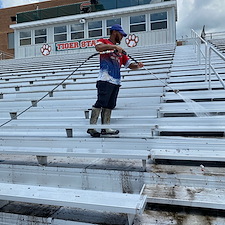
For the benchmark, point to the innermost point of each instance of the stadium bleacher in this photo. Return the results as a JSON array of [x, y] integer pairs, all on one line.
[[164, 154]]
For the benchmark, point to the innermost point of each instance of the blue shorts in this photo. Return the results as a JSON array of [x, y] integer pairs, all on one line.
[[107, 95]]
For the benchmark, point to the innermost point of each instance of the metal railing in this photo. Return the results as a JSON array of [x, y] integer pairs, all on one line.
[[215, 35], [200, 43], [212, 68], [4, 55]]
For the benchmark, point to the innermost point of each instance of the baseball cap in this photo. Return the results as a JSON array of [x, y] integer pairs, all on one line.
[[117, 27]]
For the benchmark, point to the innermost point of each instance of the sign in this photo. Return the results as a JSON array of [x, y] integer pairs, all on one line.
[[132, 40], [62, 46]]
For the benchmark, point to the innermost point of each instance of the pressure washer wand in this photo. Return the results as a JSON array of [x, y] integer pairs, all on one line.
[[150, 72]]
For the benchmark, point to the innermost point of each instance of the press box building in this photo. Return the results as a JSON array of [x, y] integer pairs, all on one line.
[[76, 27]]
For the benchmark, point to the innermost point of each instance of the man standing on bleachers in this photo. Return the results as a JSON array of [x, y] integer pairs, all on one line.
[[109, 79]]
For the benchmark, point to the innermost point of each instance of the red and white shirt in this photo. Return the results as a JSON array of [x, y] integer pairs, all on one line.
[[110, 64]]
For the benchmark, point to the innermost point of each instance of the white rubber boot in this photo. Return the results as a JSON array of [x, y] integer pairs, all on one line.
[[106, 117], [93, 120]]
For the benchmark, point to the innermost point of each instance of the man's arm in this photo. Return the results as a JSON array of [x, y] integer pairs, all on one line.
[[135, 66], [105, 47]]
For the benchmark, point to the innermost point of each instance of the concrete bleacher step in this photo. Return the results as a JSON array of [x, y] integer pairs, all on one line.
[[59, 129], [188, 78], [80, 102], [187, 154], [48, 86], [165, 215], [210, 108], [80, 112], [70, 93], [142, 125], [157, 142], [200, 95], [211, 198], [177, 66], [195, 86], [42, 153], [76, 181], [74, 79], [191, 124], [129, 204]]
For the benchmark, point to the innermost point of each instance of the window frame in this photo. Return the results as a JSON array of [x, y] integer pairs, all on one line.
[[109, 26], [41, 36], [77, 32], [159, 21], [95, 29], [135, 24], [60, 33], [23, 39]]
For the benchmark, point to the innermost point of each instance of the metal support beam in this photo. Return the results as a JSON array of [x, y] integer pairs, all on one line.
[[42, 160], [130, 219], [3, 203], [144, 164], [69, 132], [13, 115]]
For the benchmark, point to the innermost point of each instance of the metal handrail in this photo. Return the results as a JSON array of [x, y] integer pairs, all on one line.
[[210, 36], [211, 67], [198, 41]]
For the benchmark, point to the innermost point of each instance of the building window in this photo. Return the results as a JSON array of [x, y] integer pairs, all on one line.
[[137, 23], [13, 18], [77, 31], [40, 36], [95, 29], [60, 33], [10, 40], [25, 38], [109, 23], [158, 21]]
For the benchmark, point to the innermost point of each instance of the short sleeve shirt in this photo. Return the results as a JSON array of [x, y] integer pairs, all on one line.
[[110, 64]]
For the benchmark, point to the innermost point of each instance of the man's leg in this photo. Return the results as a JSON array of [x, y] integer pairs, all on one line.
[[106, 112], [93, 120], [103, 96], [106, 117]]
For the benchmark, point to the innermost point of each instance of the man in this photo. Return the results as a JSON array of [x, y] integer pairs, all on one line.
[[109, 78]]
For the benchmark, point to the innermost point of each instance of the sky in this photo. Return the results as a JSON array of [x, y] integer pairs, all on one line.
[[10, 3], [192, 14]]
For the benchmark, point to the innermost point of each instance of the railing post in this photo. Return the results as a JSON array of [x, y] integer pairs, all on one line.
[[195, 42], [206, 62], [210, 71], [199, 51]]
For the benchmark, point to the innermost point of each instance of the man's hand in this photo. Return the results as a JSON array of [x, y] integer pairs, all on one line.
[[119, 49], [135, 66], [140, 65]]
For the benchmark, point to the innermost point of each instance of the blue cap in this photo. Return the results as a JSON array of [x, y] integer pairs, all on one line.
[[117, 27]]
